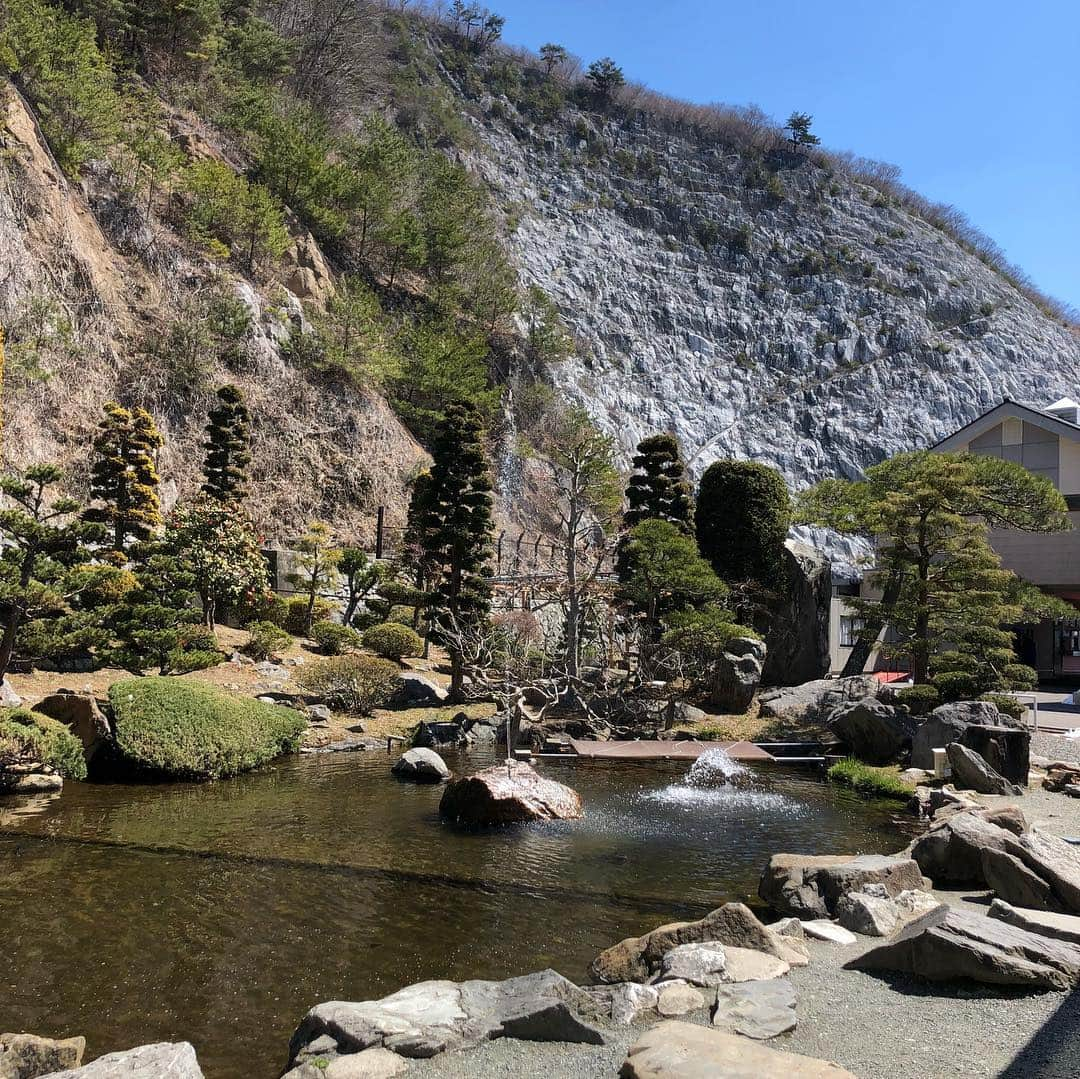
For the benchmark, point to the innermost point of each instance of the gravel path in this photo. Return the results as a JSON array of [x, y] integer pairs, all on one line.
[[877, 1027], [1055, 747]]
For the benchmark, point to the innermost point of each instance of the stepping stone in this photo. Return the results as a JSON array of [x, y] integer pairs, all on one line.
[[675, 1050], [756, 1009], [821, 929], [678, 998], [744, 965]]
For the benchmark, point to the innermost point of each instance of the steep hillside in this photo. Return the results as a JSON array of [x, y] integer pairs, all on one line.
[[760, 305]]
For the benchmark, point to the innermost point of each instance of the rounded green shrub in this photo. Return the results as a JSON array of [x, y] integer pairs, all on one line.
[[1019, 676], [919, 700], [27, 737], [957, 686], [334, 639], [187, 730], [392, 640], [296, 618], [352, 683], [267, 607], [265, 639], [1006, 705]]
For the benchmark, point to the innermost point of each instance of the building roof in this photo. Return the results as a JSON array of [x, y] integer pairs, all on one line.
[[1009, 409]]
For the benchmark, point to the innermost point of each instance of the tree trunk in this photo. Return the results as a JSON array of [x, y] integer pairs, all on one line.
[[7, 642]]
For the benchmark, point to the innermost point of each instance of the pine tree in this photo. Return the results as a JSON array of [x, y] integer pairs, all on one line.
[[123, 477], [455, 536], [227, 446]]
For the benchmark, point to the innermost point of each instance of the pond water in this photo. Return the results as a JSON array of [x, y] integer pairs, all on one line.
[[219, 913]]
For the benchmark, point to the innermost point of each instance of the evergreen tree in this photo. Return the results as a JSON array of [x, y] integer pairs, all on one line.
[[606, 77], [455, 536], [123, 477], [227, 446], [318, 560], [798, 125]]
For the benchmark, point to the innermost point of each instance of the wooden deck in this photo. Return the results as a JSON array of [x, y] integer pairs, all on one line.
[[687, 750]]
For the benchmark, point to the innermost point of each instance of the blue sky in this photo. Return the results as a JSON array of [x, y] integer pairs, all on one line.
[[977, 102]]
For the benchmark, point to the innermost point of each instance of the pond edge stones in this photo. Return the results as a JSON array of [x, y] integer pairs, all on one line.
[[420, 765]]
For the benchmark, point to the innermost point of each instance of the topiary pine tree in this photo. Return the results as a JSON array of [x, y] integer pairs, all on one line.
[[123, 477], [455, 536], [228, 447]]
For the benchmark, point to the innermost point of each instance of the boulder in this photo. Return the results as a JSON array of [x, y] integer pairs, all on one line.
[[872, 912], [698, 964], [26, 1056], [757, 1010], [678, 998], [1054, 861], [417, 688], [432, 1017], [635, 959], [1007, 750], [813, 702], [797, 639], [511, 793], [748, 965], [162, 1060], [1010, 879], [950, 852], [1064, 927], [950, 945], [947, 723], [374, 1063], [823, 929], [875, 732], [629, 1000], [971, 772], [738, 675], [677, 1050], [809, 886], [82, 715], [8, 697], [421, 766]]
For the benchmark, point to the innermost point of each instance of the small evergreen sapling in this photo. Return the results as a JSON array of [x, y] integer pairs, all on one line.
[[228, 447]]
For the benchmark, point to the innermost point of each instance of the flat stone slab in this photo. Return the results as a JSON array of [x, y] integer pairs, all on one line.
[[1064, 927], [433, 1017], [822, 929], [678, 998], [757, 1010], [162, 1060], [699, 964], [746, 965], [676, 1050], [953, 945]]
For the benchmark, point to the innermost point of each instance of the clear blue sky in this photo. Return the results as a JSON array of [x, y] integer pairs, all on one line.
[[977, 102]]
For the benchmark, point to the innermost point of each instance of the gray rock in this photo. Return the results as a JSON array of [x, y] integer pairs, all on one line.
[[26, 1056], [493, 797], [950, 945], [162, 1060], [8, 697], [421, 766], [1052, 860], [748, 965], [809, 886], [629, 1000], [678, 1050], [678, 998], [699, 964], [636, 958], [875, 732], [758, 1010], [788, 927], [1064, 927], [738, 674], [432, 1017], [82, 715], [1007, 750], [797, 639], [319, 712], [971, 772], [813, 702], [871, 912], [418, 689], [823, 929], [947, 723], [951, 851], [1010, 879], [33, 783]]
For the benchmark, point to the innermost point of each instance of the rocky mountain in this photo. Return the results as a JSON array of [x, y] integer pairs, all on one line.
[[759, 303]]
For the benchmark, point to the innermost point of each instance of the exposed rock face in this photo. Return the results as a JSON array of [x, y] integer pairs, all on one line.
[[676, 1050], [26, 1056], [798, 638], [707, 307], [433, 1017], [82, 714], [971, 772], [813, 702], [809, 886], [492, 797], [636, 958], [421, 766], [738, 674], [950, 944], [876, 732], [162, 1060]]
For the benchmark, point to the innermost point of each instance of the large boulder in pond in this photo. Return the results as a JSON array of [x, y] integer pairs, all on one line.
[[421, 766], [82, 715], [876, 732], [510, 793], [738, 674], [798, 635], [812, 703]]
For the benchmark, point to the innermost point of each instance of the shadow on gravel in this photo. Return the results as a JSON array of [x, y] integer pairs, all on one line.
[[1054, 1051], [911, 986]]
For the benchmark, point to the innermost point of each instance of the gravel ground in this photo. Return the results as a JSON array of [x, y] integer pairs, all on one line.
[[1056, 747], [876, 1027]]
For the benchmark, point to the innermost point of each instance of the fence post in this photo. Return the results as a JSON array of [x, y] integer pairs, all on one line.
[[379, 515]]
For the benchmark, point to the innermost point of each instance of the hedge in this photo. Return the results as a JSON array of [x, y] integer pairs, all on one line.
[[26, 736]]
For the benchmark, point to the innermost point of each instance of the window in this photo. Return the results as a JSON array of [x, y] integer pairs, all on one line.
[[846, 588], [850, 628]]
